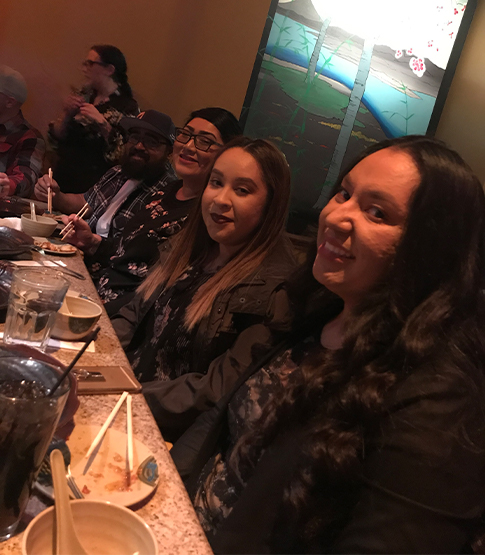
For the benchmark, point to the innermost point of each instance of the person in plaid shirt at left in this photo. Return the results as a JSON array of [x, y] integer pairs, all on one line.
[[22, 147]]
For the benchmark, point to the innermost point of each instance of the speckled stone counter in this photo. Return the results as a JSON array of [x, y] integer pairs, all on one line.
[[169, 511]]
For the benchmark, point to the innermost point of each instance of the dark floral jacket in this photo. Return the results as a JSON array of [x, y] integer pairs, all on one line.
[[121, 264]]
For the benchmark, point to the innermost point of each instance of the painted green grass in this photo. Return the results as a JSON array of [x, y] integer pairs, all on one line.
[[322, 99]]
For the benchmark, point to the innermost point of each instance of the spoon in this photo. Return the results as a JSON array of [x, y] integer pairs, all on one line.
[[67, 541]]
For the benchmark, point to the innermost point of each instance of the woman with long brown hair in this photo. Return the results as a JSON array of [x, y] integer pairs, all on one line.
[[221, 274], [365, 431]]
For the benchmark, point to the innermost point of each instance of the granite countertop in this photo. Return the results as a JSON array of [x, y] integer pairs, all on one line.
[[169, 512]]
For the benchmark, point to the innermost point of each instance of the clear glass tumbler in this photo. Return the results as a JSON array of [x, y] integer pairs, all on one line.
[[35, 297], [28, 419]]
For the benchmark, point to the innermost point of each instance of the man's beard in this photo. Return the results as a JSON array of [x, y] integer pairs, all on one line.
[[141, 168]]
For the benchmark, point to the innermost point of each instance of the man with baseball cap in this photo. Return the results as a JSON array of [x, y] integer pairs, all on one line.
[[118, 255], [22, 147], [123, 190]]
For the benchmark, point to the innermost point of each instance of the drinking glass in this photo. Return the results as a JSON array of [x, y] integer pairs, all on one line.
[[28, 419], [35, 297]]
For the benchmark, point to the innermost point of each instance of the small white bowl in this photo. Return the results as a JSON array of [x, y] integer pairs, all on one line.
[[42, 227], [102, 528], [76, 318]]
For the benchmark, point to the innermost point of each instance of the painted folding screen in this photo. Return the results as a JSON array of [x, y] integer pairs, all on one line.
[[334, 76]]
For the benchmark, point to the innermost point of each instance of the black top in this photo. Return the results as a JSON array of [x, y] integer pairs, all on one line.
[[165, 347], [224, 477], [423, 483], [84, 154]]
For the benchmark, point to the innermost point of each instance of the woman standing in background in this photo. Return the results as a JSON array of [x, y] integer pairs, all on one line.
[[87, 137]]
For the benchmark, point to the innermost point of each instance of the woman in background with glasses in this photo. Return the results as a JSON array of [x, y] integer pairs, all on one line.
[[118, 266], [87, 137]]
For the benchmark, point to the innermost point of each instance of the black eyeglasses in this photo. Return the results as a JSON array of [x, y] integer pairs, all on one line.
[[91, 63], [201, 142], [148, 141]]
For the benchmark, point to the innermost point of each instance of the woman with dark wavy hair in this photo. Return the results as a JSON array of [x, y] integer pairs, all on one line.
[[365, 432]]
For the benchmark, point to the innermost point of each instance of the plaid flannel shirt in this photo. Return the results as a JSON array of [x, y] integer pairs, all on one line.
[[99, 197], [22, 151]]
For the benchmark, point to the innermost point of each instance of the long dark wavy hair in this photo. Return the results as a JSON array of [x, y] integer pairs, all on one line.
[[429, 305], [111, 55]]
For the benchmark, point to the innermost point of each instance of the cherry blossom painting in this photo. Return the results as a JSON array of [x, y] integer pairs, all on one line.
[[333, 77]]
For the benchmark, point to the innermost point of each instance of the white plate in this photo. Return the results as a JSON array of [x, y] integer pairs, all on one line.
[[56, 242], [106, 477]]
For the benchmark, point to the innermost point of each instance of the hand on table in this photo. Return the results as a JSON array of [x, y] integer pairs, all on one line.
[[4, 185], [81, 235], [42, 186]]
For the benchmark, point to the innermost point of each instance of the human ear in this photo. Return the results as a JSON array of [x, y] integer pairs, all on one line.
[[11, 102], [110, 70]]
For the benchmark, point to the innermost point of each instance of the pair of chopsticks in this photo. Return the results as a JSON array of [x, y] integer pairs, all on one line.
[[49, 193], [69, 227], [129, 432]]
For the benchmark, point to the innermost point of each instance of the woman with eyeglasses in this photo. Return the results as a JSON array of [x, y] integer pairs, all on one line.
[[223, 273], [118, 266], [87, 137]]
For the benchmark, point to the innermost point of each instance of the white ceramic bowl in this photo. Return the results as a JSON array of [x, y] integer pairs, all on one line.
[[103, 528], [43, 227], [76, 318]]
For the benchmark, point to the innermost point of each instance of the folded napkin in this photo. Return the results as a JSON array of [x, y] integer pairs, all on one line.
[[13, 223], [71, 345]]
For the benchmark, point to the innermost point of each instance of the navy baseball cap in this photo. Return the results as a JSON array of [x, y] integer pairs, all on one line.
[[154, 121]]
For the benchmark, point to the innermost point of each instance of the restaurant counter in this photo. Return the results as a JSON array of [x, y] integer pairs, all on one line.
[[169, 511]]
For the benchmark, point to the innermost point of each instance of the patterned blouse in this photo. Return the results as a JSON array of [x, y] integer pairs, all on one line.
[[121, 264], [164, 346], [224, 476], [84, 154]]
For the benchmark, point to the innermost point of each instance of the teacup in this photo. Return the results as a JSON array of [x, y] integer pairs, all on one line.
[[76, 318]]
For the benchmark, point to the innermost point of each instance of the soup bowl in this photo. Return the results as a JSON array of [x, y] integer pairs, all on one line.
[[101, 526], [42, 227]]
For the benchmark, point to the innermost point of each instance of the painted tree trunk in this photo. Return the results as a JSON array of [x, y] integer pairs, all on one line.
[[316, 51], [348, 123]]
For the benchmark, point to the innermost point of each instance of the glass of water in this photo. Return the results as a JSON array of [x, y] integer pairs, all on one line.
[[35, 297]]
